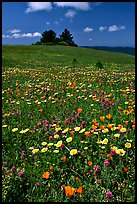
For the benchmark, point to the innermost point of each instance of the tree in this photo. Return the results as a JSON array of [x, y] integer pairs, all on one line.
[[48, 37], [67, 37]]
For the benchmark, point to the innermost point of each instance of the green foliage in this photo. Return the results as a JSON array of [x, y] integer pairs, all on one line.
[[63, 43], [48, 37], [99, 65]]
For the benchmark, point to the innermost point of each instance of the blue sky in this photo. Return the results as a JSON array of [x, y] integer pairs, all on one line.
[[91, 23]]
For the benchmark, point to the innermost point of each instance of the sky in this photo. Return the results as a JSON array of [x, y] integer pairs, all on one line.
[[90, 23]]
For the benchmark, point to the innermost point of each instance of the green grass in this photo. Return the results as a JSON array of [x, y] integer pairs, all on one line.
[[43, 90]]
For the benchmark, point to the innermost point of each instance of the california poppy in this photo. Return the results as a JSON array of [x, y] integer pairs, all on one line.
[[109, 116], [89, 163], [64, 158], [79, 190], [46, 175], [69, 191], [79, 110]]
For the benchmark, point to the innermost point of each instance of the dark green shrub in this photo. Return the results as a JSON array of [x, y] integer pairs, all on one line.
[[99, 65]]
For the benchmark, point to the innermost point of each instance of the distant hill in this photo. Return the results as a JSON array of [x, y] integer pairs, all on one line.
[[125, 50]]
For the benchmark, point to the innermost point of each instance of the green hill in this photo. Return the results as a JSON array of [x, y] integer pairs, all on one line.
[[45, 56]]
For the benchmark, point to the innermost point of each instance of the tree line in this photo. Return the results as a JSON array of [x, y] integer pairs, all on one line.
[[49, 38]]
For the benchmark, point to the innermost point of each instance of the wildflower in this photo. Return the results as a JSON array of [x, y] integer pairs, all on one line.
[[50, 144], [77, 129], [106, 162], [79, 190], [96, 169], [66, 130], [34, 151], [113, 152], [44, 143], [4, 126], [31, 148], [87, 133], [14, 129], [123, 130], [73, 151], [59, 143], [51, 168], [98, 181], [46, 175], [64, 158], [56, 151], [126, 123], [37, 184], [69, 191], [56, 136], [102, 118], [105, 141], [23, 154], [13, 168], [77, 179], [69, 139], [79, 110], [99, 142], [108, 195], [72, 133], [120, 152], [44, 150], [117, 135], [20, 173], [105, 130], [128, 145], [89, 163], [85, 148], [24, 131], [82, 130], [109, 116]]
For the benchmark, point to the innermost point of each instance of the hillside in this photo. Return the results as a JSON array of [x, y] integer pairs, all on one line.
[[125, 50], [44, 56]]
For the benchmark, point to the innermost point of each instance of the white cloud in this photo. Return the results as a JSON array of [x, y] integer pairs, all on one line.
[[28, 35], [90, 39], [36, 34], [102, 28], [14, 31], [37, 6], [70, 14], [16, 35], [87, 29], [47, 23], [6, 36], [116, 28], [77, 5]]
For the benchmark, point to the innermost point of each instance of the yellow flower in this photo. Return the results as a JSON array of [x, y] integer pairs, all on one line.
[[24, 131], [114, 128], [123, 130], [66, 130], [44, 150], [77, 129], [73, 151], [105, 141], [99, 142], [44, 143], [31, 148], [57, 129], [114, 148], [5, 126], [56, 151], [128, 145], [14, 129], [59, 143], [82, 130], [85, 148], [117, 135], [105, 130], [69, 139], [56, 136], [120, 152], [50, 144], [35, 151]]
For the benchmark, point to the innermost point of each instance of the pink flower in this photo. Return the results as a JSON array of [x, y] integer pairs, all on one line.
[[96, 169], [98, 181], [13, 168], [106, 162], [108, 195], [20, 173], [113, 152]]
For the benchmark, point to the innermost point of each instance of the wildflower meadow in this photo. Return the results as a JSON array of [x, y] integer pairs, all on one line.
[[68, 130]]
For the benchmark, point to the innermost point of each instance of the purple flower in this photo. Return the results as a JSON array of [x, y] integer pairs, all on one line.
[[91, 171], [37, 184], [23, 153], [47, 124], [13, 168], [39, 123], [20, 173], [96, 169], [60, 104], [50, 125], [106, 162], [98, 181], [108, 195], [113, 152], [35, 128], [46, 121], [62, 146]]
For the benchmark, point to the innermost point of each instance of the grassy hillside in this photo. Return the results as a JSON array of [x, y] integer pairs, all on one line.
[[35, 56]]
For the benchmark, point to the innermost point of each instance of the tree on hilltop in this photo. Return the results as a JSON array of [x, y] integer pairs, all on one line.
[[48, 37]]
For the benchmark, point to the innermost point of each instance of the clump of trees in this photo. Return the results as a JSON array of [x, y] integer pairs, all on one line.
[[49, 38]]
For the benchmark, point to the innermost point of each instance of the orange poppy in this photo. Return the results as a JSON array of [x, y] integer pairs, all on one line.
[[79, 110], [79, 190], [109, 126], [126, 123], [51, 168], [87, 134], [94, 127], [77, 179], [102, 127], [109, 116], [120, 126], [125, 169], [72, 133], [64, 158], [46, 175], [69, 191], [102, 118], [89, 163]]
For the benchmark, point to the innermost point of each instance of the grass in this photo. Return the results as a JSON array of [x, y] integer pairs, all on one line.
[[68, 127]]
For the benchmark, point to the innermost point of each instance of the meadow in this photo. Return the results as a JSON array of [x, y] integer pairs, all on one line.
[[68, 127]]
